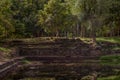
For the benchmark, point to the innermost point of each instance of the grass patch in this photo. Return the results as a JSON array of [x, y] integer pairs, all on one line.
[[109, 39], [110, 60], [116, 48], [103, 39], [4, 49], [25, 61], [110, 78]]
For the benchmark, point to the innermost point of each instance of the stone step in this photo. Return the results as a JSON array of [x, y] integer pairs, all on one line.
[[52, 75], [68, 51], [60, 59]]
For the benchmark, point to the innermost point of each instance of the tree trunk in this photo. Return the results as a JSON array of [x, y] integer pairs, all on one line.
[[82, 31], [118, 32], [38, 34], [111, 33], [6, 35], [93, 36], [57, 33], [65, 34]]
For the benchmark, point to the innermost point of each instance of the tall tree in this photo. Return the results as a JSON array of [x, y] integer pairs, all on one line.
[[5, 18], [94, 12], [114, 18], [24, 15], [56, 17]]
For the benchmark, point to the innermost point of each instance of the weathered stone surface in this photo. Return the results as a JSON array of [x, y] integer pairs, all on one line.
[[61, 58], [64, 48]]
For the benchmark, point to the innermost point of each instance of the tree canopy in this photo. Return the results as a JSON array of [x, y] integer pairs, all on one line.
[[81, 18]]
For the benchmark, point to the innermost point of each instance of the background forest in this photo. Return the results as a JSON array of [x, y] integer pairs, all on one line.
[[61, 18]]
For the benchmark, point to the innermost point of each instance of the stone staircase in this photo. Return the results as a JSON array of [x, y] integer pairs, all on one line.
[[51, 56], [58, 48], [7, 67]]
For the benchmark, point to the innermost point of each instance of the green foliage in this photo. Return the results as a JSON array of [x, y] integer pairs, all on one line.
[[35, 18], [5, 18], [55, 16], [2, 31], [25, 16]]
